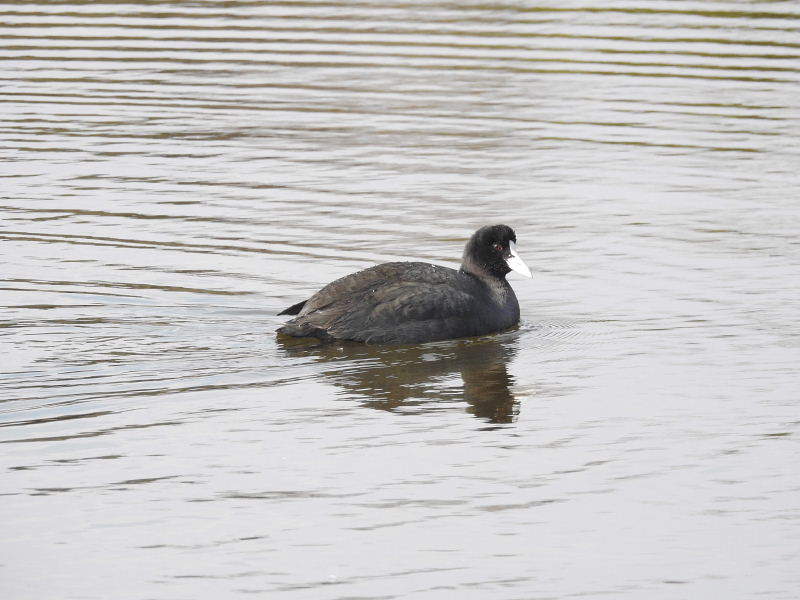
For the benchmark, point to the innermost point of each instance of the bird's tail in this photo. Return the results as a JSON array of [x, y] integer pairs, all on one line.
[[294, 308]]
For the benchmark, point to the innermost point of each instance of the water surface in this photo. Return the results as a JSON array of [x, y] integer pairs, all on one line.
[[176, 173]]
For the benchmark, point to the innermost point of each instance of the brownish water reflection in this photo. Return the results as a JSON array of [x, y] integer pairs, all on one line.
[[420, 377]]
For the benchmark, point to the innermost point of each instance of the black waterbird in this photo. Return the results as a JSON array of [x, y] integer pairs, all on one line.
[[415, 302]]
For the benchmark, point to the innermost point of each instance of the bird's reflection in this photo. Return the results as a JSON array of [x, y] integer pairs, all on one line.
[[421, 377]]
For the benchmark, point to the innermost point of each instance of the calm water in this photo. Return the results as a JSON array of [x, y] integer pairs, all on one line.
[[176, 173]]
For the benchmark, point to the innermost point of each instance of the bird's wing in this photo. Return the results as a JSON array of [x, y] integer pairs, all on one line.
[[400, 312], [367, 279]]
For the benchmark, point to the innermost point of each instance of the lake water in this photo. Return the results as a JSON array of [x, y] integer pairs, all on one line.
[[176, 173]]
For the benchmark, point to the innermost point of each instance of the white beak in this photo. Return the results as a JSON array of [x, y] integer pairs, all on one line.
[[515, 263]]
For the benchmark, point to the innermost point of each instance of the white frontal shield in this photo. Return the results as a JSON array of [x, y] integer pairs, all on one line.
[[515, 263]]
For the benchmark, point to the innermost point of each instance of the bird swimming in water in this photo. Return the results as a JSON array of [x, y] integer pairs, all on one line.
[[415, 302]]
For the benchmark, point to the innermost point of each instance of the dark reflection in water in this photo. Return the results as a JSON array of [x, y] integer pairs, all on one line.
[[390, 378]]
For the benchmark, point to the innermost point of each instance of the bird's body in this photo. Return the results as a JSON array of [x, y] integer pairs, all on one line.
[[413, 302]]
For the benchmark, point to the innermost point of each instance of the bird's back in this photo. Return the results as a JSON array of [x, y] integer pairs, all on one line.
[[402, 302]]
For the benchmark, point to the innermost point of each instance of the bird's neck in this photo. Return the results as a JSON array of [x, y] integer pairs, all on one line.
[[499, 288]]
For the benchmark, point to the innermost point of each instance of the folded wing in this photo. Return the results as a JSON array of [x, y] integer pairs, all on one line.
[[392, 303]]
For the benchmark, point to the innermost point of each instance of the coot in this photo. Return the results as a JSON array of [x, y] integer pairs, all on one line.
[[414, 302]]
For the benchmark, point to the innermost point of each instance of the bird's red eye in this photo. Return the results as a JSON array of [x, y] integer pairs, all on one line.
[[497, 246]]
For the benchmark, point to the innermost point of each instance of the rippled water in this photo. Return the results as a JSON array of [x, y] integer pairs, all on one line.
[[176, 173]]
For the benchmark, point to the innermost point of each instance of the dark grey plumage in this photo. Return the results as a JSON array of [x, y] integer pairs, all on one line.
[[413, 302]]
